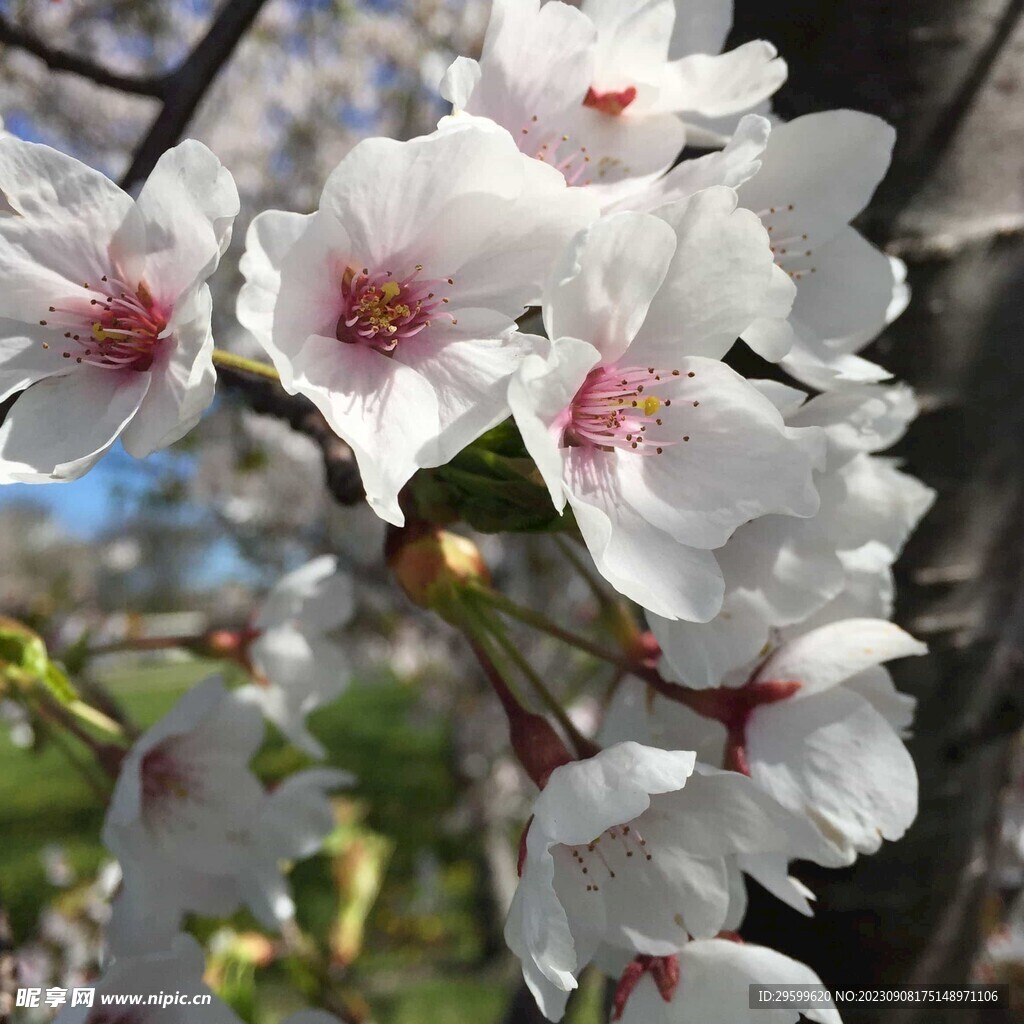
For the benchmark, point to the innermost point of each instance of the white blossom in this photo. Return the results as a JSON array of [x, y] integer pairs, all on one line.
[[661, 450], [392, 307], [104, 313], [196, 831]]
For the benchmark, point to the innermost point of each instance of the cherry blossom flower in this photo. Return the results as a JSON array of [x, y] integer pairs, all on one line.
[[713, 978], [781, 570], [174, 972], [177, 969], [595, 93], [298, 665], [105, 314], [630, 848], [661, 450], [817, 725], [806, 180], [392, 306], [195, 830]]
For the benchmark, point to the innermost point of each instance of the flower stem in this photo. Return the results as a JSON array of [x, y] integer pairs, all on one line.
[[600, 593], [584, 747], [540, 622], [236, 362]]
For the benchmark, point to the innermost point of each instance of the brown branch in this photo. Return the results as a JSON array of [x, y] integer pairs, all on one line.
[[267, 397], [186, 87], [60, 60]]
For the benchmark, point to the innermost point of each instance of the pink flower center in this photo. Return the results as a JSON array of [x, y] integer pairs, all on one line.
[[619, 408], [613, 103], [380, 310], [566, 154], [617, 849], [789, 240], [116, 327], [165, 778]]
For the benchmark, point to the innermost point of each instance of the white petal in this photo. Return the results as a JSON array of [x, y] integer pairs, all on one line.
[[298, 815], [315, 592], [642, 562], [716, 284], [740, 462], [459, 81], [850, 290], [271, 234], [701, 654], [701, 26], [584, 798], [731, 166], [833, 757], [831, 654], [23, 360], [727, 83], [632, 39], [538, 393], [385, 410], [826, 165], [432, 199], [470, 379], [602, 288], [72, 224], [189, 203], [875, 685], [60, 427]]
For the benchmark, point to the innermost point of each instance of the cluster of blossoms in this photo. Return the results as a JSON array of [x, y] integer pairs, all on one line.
[[753, 524]]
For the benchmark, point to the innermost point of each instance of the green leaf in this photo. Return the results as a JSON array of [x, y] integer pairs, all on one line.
[[492, 485]]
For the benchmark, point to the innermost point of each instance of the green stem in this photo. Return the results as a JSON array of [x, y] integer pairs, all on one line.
[[584, 747], [236, 362], [540, 622]]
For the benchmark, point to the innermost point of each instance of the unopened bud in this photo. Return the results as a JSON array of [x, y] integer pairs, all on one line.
[[433, 565]]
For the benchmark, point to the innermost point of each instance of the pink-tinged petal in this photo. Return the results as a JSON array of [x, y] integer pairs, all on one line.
[[848, 293], [310, 299], [393, 197], [384, 409], [715, 286], [470, 377], [603, 287], [727, 83], [267, 242], [736, 163], [701, 26], [826, 165], [24, 360], [833, 757], [189, 203], [639, 560], [827, 656], [740, 460], [182, 387], [539, 394], [60, 427]]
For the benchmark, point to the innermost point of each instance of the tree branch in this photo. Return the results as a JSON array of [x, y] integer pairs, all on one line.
[[185, 88], [265, 396], [60, 60]]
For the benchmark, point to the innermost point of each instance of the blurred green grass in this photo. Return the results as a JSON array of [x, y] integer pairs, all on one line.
[[435, 926]]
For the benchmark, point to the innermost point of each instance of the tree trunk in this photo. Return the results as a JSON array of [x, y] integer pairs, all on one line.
[[949, 75]]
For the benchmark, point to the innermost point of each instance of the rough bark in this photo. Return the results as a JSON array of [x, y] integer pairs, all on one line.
[[949, 75]]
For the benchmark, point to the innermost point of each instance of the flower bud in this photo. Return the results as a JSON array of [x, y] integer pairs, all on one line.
[[433, 566]]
